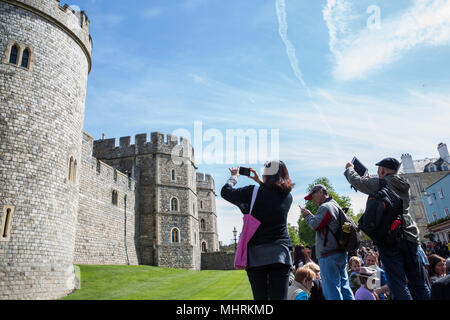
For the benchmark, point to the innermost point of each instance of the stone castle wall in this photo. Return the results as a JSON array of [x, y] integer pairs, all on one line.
[[105, 231], [160, 178], [217, 261], [41, 118], [55, 195]]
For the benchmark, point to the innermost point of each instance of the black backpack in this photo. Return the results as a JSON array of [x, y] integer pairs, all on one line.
[[347, 234], [382, 209]]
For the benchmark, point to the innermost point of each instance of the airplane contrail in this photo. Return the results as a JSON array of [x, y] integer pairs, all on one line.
[[290, 50]]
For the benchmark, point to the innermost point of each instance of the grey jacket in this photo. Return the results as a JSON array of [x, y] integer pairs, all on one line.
[[396, 183], [327, 215]]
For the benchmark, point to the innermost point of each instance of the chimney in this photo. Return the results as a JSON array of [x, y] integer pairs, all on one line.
[[443, 152], [408, 164]]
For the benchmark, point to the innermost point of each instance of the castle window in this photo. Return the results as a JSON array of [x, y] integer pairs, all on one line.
[[98, 167], [195, 237], [70, 168], [204, 249], [441, 193], [447, 212], [201, 204], [173, 175], [19, 55], [115, 175], [115, 197], [6, 223], [175, 235], [174, 204], [14, 54], [25, 58], [202, 224]]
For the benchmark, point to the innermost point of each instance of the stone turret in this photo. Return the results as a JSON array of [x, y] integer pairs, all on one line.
[[209, 238], [164, 170], [45, 53]]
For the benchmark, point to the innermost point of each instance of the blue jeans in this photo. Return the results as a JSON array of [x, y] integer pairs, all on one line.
[[335, 281], [405, 274]]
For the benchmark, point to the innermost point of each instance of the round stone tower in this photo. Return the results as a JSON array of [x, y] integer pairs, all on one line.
[[45, 59]]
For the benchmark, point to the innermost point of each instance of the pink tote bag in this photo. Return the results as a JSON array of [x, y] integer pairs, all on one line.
[[251, 224]]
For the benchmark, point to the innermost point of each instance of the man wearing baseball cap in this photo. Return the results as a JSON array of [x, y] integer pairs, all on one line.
[[404, 272], [332, 259]]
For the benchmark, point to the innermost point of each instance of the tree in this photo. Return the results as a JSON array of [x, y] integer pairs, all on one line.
[[293, 234], [306, 234]]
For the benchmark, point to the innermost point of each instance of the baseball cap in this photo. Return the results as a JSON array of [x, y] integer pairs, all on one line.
[[389, 163], [314, 189]]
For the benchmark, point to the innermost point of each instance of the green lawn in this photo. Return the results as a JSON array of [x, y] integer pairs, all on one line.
[[153, 283]]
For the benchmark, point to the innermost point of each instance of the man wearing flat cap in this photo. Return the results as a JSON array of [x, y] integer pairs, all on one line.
[[404, 273]]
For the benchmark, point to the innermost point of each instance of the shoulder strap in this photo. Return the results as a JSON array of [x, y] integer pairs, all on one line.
[[254, 194], [339, 219]]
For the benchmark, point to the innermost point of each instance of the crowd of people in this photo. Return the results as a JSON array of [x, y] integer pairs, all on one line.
[[367, 277], [401, 269]]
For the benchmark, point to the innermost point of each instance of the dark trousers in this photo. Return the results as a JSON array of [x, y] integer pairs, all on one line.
[[406, 277], [269, 282]]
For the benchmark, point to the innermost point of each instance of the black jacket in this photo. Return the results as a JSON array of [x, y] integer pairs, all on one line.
[[317, 291], [440, 290], [271, 208]]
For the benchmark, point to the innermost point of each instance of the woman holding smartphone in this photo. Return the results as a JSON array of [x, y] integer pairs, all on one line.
[[268, 257]]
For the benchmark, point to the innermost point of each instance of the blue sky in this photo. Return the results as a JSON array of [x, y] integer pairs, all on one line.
[[336, 79]]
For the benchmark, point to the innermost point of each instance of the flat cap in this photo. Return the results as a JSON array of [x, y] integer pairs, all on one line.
[[389, 163]]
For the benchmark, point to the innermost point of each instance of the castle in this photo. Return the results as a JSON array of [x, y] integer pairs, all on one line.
[[66, 199]]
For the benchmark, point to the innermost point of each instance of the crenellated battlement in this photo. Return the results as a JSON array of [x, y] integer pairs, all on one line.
[[159, 143], [75, 23], [104, 171], [205, 181]]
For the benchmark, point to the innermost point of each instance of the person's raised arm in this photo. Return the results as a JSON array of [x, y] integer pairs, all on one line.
[[365, 185], [238, 196]]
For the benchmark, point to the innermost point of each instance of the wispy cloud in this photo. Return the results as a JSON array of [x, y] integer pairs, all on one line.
[[290, 49], [153, 12], [360, 52], [110, 19]]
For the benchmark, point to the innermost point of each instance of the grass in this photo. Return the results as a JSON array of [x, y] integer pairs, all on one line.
[[154, 283]]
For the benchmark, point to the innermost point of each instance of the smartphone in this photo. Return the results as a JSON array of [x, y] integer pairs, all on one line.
[[244, 171]]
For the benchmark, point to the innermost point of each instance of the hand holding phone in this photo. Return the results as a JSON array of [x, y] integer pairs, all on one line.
[[304, 212], [244, 171]]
